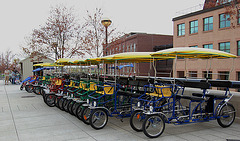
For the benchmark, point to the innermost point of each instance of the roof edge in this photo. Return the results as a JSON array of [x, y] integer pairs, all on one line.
[[198, 12]]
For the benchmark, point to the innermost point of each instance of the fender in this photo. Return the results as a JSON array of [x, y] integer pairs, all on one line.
[[58, 94], [157, 113], [44, 87], [85, 105], [104, 108], [137, 108], [81, 102], [220, 107], [50, 93]]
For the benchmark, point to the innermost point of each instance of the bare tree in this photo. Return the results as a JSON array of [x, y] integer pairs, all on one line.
[[95, 33], [8, 60], [57, 36], [65, 37]]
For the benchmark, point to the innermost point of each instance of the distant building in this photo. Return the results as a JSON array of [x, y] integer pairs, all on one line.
[[27, 64], [208, 28], [141, 42]]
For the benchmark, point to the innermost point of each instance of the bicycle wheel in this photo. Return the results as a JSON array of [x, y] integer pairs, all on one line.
[[30, 89], [57, 101], [153, 126], [66, 108], [136, 120], [34, 90], [65, 104], [98, 119], [60, 103], [50, 100], [75, 110], [85, 114], [226, 115], [43, 94], [42, 91], [21, 87], [70, 107], [78, 111], [37, 90]]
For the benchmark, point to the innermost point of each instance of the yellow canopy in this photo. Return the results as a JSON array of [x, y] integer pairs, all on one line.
[[64, 61], [93, 61], [132, 57], [78, 61], [190, 52], [48, 65]]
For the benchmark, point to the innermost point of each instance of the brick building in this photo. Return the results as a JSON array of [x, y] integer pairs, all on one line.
[[141, 42], [208, 28]]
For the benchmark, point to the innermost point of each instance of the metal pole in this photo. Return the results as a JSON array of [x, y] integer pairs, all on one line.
[[106, 48]]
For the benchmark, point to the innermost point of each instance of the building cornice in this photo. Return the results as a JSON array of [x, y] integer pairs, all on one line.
[[198, 12]]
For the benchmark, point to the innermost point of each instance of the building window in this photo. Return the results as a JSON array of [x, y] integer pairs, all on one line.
[[192, 74], [208, 24], [209, 46], [238, 22], [131, 48], [180, 74], [224, 47], [238, 48], [223, 75], [224, 20], [207, 75], [219, 2], [238, 79], [194, 27], [193, 46], [123, 49], [134, 47], [181, 29]]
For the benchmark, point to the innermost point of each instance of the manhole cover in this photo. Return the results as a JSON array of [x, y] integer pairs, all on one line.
[[27, 96]]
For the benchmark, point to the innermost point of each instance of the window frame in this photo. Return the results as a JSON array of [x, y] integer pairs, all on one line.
[[196, 46], [180, 30], [224, 20], [208, 24], [208, 46], [238, 48], [225, 49], [192, 74], [238, 17], [193, 28]]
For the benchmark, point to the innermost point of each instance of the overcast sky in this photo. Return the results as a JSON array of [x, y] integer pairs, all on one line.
[[20, 17]]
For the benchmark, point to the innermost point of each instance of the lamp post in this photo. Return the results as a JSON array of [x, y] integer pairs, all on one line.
[[106, 22]]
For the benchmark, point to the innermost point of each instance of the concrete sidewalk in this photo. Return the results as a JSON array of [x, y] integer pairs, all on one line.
[[29, 118]]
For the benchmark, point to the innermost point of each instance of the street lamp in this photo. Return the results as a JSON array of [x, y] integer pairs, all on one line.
[[106, 22]]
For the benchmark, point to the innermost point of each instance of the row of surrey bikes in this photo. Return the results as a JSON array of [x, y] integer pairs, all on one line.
[[149, 102]]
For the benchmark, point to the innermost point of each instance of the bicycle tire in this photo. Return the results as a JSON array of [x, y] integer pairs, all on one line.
[[226, 119]]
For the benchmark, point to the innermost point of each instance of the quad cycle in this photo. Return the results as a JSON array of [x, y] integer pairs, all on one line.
[[111, 100], [199, 107]]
